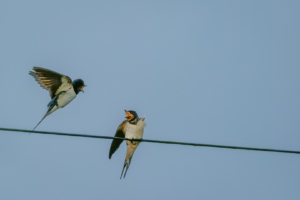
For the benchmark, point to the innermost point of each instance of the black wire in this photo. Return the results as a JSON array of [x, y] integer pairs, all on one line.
[[153, 141]]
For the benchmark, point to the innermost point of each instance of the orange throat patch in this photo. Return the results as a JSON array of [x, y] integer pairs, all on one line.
[[129, 116]]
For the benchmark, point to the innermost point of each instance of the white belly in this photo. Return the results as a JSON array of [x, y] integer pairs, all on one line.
[[66, 98], [135, 131]]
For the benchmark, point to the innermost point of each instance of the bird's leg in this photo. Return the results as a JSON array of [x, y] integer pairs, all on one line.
[[132, 140]]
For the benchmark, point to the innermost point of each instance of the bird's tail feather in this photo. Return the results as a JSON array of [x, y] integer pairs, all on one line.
[[126, 166], [51, 108], [40, 121]]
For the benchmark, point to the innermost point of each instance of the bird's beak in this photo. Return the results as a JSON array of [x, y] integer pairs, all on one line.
[[127, 114], [83, 87]]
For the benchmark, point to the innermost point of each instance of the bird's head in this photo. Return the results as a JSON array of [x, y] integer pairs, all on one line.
[[131, 115], [78, 85]]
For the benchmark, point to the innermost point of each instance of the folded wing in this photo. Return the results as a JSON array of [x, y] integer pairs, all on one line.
[[116, 142]]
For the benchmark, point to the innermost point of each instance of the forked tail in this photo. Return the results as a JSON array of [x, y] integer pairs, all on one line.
[[126, 166]]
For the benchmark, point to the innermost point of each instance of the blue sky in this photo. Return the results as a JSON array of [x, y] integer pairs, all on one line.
[[216, 72]]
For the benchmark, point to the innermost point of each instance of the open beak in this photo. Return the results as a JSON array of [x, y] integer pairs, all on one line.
[[127, 114], [83, 87]]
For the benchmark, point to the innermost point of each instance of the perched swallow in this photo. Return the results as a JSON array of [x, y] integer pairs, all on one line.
[[132, 128], [62, 89]]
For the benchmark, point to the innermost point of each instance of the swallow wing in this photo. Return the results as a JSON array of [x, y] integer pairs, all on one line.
[[116, 142], [51, 81]]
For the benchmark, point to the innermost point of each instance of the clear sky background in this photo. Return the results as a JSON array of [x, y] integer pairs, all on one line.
[[216, 72]]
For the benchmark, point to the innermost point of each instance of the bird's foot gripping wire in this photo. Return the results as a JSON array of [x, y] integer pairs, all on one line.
[[132, 140]]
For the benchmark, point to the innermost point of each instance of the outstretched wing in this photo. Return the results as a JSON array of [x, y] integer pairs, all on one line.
[[116, 142], [50, 80]]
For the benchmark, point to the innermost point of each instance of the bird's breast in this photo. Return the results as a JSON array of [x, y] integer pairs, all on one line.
[[66, 97], [135, 130]]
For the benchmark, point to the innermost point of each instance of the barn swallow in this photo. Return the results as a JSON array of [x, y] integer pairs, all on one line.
[[132, 128], [62, 89]]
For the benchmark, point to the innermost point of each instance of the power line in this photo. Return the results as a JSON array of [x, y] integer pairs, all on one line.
[[153, 141]]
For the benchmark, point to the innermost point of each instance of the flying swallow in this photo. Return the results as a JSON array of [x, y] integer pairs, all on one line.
[[132, 128], [62, 89]]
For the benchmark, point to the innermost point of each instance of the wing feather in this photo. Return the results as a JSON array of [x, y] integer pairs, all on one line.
[[50, 80], [116, 142]]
